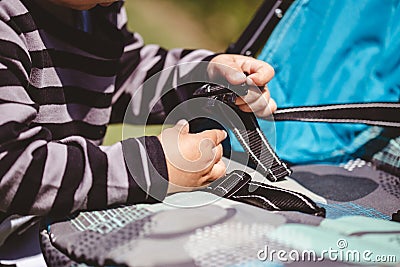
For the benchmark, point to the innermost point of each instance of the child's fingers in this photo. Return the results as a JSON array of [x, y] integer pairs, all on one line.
[[216, 136], [217, 171], [270, 109], [260, 72]]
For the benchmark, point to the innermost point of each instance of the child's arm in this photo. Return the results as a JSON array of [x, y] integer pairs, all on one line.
[[42, 176]]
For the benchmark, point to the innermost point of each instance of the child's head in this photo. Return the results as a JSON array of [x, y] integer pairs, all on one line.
[[83, 4]]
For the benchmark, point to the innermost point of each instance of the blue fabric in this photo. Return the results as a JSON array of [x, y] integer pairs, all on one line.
[[332, 52]]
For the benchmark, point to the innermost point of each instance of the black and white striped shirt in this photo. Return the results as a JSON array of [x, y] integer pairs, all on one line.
[[59, 89]]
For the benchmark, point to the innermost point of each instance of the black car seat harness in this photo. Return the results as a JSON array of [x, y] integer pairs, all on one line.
[[384, 114], [259, 150]]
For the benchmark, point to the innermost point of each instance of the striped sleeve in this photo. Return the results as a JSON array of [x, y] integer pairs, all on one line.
[[40, 176], [147, 72]]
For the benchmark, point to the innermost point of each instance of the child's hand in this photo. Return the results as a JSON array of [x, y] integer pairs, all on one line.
[[233, 69], [193, 160]]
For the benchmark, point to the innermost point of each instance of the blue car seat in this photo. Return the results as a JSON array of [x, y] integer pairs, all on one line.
[[330, 52]]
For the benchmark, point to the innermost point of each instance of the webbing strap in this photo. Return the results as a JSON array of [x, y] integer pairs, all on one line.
[[246, 130], [276, 198], [257, 147], [260, 27], [385, 114], [249, 43], [263, 155]]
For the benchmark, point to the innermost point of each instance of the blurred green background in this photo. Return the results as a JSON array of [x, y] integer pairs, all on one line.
[[209, 24]]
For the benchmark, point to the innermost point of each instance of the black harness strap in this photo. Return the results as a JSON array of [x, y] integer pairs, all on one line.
[[262, 154], [252, 139], [260, 27], [386, 114], [257, 147]]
